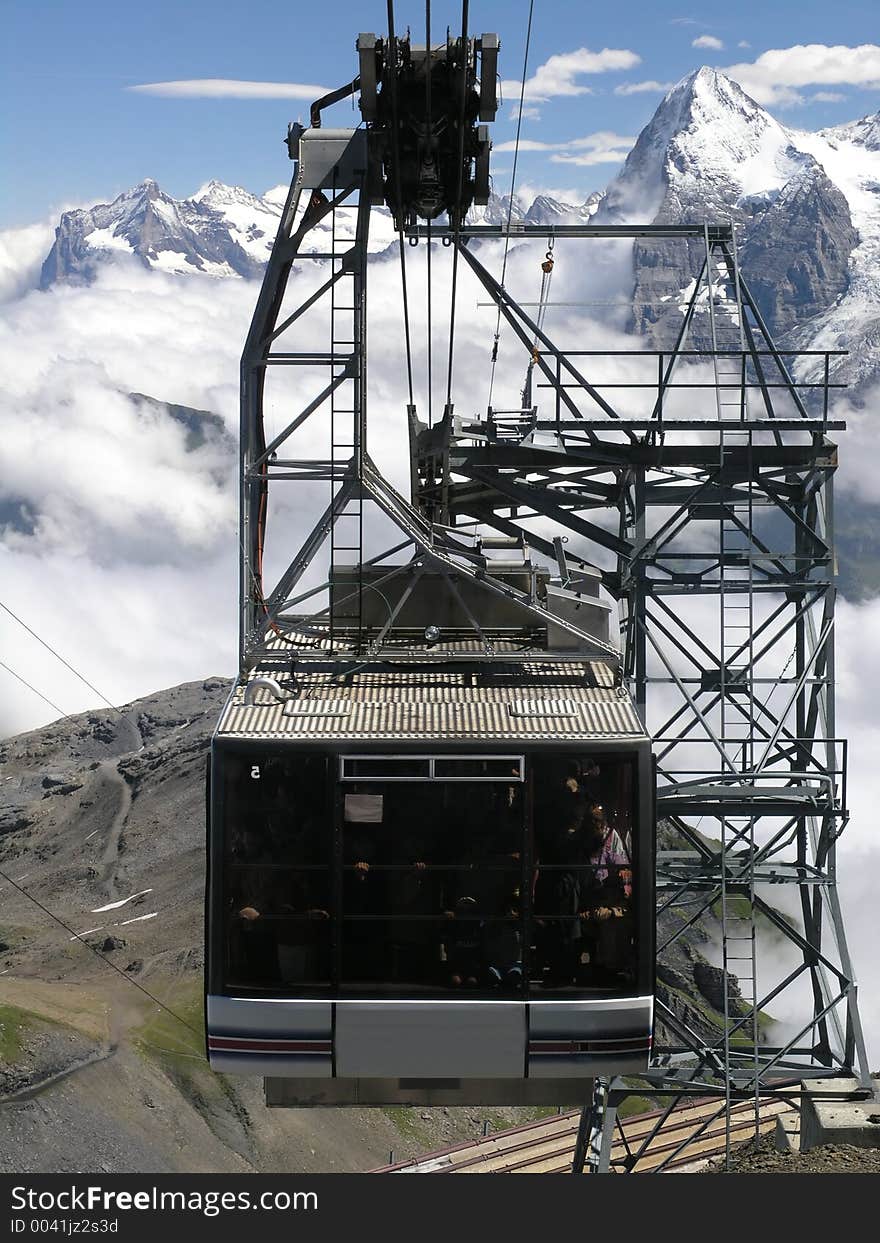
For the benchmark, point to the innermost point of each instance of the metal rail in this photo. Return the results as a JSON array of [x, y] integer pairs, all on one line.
[[690, 1135]]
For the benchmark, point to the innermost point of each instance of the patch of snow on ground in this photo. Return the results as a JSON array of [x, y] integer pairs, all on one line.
[[114, 906]]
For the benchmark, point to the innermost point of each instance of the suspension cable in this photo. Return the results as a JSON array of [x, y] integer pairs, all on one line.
[[392, 43], [40, 694], [58, 656], [430, 337], [522, 92], [430, 341], [458, 221], [546, 281]]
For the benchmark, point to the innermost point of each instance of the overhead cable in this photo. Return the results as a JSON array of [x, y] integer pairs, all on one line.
[[522, 93], [397, 190], [457, 231], [58, 656], [34, 689]]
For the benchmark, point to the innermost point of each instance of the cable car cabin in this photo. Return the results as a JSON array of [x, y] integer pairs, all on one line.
[[431, 885]]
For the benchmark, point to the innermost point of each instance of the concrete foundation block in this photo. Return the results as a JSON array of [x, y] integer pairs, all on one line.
[[787, 1136], [836, 1111]]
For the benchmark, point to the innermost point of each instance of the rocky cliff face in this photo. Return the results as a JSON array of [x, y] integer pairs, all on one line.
[[795, 252], [711, 153]]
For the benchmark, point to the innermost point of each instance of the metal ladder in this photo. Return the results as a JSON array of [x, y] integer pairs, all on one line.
[[737, 717], [727, 335], [345, 613], [736, 596]]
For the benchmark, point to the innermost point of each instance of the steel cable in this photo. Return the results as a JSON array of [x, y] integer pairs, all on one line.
[[522, 93], [392, 43], [457, 229]]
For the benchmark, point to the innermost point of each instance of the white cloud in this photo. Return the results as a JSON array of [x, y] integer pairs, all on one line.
[[558, 75], [603, 147], [22, 252], [600, 148], [708, 41], [776, 75], [743, 43], [230, 88], [525, 144], [640, 88], [828, 97]]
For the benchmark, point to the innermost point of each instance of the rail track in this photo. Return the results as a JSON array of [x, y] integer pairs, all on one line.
[[685, 1140]]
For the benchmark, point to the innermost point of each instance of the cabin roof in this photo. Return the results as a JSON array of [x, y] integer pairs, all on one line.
[[527, 701]]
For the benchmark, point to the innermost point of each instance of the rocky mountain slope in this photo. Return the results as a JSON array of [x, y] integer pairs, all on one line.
[[102, 822]]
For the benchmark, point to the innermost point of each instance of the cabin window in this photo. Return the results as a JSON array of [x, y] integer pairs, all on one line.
[[277, 872], [496, 876]]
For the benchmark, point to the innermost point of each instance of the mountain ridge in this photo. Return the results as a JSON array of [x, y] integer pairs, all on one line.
[[806, 206]]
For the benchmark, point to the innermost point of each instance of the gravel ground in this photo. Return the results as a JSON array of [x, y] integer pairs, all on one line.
[[762, 1157]]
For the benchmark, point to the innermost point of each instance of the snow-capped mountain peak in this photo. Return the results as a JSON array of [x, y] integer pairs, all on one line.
[[707, 138], [149, 226], [806, 207], [863, 133]]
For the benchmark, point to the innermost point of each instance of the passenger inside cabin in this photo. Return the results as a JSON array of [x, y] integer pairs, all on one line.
[[463, 943], [502, 945], [606, 900], [413, 898], [564, 842]]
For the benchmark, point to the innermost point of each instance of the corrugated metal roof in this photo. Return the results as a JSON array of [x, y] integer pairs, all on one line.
[[577, 700]]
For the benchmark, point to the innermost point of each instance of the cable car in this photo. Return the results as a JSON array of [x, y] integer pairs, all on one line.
[[431, 882]]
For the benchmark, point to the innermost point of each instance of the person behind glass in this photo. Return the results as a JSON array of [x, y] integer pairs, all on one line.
[[412, 901], [605, 906], [464, 942], [563, 845], [362, 897], [502, 945], [302, 933], [253, 948]]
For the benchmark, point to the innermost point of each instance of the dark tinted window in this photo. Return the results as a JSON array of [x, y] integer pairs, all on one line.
[[402, 887], [583, 926], [277, 890], [475, 769], [379, 766]]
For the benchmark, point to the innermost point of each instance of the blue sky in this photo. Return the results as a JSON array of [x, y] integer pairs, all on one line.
[[73, 132]]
